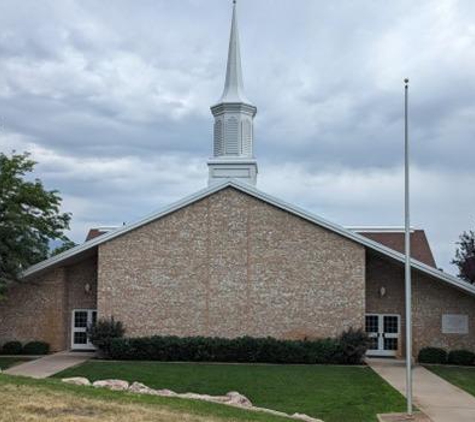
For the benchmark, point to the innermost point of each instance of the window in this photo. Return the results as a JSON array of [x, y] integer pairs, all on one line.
[[80, 319], [80, 338], [372, 323], [390, 344], [391, 324]]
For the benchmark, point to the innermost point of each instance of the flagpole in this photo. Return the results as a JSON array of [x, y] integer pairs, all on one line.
[[407, 241]]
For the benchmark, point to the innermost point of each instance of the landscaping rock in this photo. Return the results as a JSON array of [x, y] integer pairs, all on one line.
[[195, 396], [115, 385], [238, 399], [77, 381], [139, 388], [233, 398], [305, 418], [166, 393]]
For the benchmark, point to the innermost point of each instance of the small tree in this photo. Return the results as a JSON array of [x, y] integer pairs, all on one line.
[[465, 256], [354, 344], [30, 218], [103, 332]]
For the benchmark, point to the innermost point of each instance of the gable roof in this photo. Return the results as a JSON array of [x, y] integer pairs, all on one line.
[[252, 191], [98, 231], [394, 239]]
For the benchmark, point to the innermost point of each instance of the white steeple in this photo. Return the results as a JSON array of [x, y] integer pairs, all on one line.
[[233, 86], [233, 152]]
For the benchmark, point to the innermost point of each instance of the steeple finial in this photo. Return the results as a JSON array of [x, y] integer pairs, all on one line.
[[233, 87]]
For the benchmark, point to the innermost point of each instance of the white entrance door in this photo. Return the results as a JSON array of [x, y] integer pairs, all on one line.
[[383, 331], [81, 320]]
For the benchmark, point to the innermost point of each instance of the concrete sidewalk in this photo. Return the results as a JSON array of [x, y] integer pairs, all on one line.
[[49, 365], [437, 398]]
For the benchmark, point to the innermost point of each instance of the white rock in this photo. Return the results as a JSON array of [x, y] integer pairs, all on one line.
[[116, 385], [166, 393], [195, 396], [77, 381], [238, 399], [232, 398], [305, 418], [139, 388]]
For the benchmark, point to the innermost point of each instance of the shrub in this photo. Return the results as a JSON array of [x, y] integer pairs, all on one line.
[[103, 332], [432, 355], [461, 357], [36, 348], [354, 344], [344, 350], [12, 348]]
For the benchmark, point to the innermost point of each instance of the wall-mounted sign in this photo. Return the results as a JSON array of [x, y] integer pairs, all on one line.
[[454, 324]]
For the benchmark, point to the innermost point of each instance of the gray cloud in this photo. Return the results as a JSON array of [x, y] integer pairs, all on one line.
[[113, 99]]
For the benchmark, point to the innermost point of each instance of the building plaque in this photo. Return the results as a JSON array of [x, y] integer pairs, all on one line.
[[454, 324]]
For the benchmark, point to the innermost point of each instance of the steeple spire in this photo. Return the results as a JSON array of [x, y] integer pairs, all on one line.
[[233, 87], [233, 146]]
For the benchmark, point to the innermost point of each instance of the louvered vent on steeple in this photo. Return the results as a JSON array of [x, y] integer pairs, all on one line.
[[233, 149]]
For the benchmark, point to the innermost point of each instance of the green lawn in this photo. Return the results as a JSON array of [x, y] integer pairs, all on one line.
[[332, 393], [463, 377], [8, 362], [37, 400]]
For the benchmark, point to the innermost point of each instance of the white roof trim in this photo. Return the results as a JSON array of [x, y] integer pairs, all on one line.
[[246, 188], [376, 229], [104, 228]]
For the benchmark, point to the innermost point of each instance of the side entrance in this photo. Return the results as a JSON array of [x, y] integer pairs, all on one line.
[[384, 333], [81, 319]]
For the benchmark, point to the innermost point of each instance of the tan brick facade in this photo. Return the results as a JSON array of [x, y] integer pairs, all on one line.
[[232, 265], [40, 309], [431, 299]]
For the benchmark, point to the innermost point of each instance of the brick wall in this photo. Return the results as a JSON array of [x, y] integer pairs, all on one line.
[[431, 299], [232, 265], [77, 276], [34, 310], [40, 308]]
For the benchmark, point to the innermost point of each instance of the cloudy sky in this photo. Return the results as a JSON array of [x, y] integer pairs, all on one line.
[[112, 98]]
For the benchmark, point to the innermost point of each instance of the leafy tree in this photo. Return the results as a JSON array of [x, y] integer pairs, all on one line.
[[465, 256], [30, 218]]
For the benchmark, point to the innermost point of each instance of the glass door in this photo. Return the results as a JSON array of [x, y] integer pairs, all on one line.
[[81, 320], [383, 331]]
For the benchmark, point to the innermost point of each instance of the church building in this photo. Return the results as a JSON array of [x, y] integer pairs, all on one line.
[[231, 260]]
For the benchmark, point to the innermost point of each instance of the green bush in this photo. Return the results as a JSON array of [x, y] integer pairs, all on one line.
[[36, 348], [344, 350], [432, 355], [12, 348], [103, 332], [461, 357], [354, 344]]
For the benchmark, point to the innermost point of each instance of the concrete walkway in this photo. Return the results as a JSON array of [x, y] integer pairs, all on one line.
[[437, 398], [49, 365]]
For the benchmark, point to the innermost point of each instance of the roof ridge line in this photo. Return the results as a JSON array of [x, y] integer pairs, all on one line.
[[246, 188]]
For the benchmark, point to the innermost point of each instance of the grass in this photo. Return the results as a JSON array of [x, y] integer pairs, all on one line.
[[8, 362], [462, 377], [24, 399], [332, 393]]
